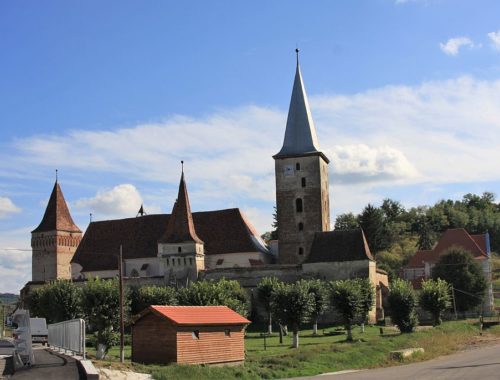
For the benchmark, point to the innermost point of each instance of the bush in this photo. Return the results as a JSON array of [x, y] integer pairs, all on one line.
[[458, 268], [435, 298], [402, 304], [142, 297]]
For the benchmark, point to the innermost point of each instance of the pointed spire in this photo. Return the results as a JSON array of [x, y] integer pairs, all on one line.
[[57, 216], [180, 226], [300, 135], [141, 211]]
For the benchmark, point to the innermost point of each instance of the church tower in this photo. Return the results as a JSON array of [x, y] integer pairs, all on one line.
[[301, 171], [54, 241], [180, 250]]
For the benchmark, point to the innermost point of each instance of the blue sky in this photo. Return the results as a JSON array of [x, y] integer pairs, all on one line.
[[405, 96]]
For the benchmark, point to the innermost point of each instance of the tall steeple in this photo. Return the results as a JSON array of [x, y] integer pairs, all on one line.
[[302, 191], [57, 216], [300, 135], [180, 226]]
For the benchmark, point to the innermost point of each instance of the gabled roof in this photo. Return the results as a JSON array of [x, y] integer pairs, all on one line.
[[459, 237], [300, 135], [339, 245], [223, 232], [180, 227], [197, 315], [454, 237], [57, 216]]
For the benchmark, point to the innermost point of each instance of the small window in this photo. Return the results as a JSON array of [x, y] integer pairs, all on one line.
[[190, 261], [185, 263], [227, 332], [301, 251], [301, 226], [196, 334], [303, 181], [173, 262], [298, 205], [179, 261], [297, 166], [179, 249], [134, 273], [168, 262]]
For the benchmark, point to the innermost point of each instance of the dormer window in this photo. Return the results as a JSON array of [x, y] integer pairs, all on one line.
[[297, 166], [179, 249]]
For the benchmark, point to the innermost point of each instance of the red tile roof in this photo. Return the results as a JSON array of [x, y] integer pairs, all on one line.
[[223, 231], [57, 216], [480, 241], [198, 315], [180, 227], [456, 237]]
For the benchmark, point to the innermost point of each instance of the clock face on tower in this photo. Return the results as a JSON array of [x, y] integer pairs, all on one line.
[[288, 170]]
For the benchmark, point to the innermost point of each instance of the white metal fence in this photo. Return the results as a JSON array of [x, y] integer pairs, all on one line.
[[68, 336]]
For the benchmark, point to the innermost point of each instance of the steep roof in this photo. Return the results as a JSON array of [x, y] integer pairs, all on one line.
[[222, 231], [57, 216], [300, 135], [197, 315], [339, 245], [180, 227]]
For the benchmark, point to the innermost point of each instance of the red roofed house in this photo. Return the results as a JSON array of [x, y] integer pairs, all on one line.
[[421, 263], [188, 335]]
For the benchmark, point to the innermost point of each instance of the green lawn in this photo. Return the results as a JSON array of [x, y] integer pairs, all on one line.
[[323, 353]]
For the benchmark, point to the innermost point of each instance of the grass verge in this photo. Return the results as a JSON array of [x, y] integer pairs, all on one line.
[[324, 353]]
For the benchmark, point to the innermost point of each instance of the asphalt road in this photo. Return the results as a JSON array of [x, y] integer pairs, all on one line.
[[473, 364]]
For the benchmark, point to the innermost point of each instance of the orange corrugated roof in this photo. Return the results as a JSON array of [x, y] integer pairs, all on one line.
[[200, 315]]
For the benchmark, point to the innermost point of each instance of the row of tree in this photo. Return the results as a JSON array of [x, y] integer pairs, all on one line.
[[98, 301]]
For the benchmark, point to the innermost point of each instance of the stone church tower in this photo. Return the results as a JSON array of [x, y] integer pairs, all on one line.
[[180, 250], [54, 241], [301, 171]]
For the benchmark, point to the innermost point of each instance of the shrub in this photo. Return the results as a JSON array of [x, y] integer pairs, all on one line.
[[403, 303], [435, 298], [142, 297]]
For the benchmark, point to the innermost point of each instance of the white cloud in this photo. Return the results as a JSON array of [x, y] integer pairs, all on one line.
[[495, 39], [7, 208], [453, 45], [15, 260], [120, 201]]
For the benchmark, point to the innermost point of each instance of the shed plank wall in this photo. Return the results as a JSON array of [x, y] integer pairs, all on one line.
[[212, 347], [153, 340]]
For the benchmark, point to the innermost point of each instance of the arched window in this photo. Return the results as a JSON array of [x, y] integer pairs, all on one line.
[[301, 251], [301, 226], [303, 181], [298, 205], [297, 166]]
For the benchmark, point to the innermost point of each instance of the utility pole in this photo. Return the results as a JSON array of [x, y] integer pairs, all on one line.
[[2, 327], [454, 303], [122, 328]]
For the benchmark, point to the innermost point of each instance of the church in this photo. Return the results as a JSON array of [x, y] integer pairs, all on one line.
[[184, 246]]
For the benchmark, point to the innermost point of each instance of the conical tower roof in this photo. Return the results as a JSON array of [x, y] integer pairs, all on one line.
[[180, 227], [57, 216], [300, 135]]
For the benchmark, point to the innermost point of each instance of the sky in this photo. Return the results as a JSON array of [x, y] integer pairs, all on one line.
[[405, 95]]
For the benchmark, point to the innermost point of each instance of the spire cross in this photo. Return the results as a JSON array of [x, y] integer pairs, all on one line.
[[56, 175], [297, 52], [182, 167]]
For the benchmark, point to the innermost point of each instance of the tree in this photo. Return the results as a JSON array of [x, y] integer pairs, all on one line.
[[435, 298], [292, 304], [265, 289], [346, 222], [215, 293], [392, 209], [457, 267], [425, 236], [346, 298], [402, 304], [101, 305], [372, 222], [144, 296], [319, 293], [367, 300], [274, 232], [56, 301]]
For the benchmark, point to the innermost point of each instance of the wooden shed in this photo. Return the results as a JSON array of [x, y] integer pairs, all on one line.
[[188, 335]]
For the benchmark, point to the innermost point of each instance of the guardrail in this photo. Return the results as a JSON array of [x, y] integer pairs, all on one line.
[[68, 336]]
